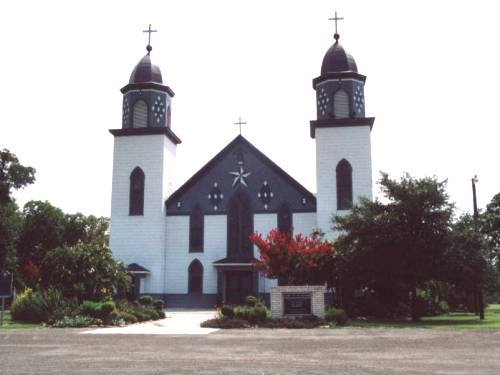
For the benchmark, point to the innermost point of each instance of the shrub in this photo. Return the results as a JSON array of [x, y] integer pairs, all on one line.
[[36, 307], [161, 314], [158, 304], [252, 315], [113, 316], [106, 309], [128, 317], [227, 312], [251, 301], [338, 316], [145, 300], [91, 308], [76, 321], [224, 323]]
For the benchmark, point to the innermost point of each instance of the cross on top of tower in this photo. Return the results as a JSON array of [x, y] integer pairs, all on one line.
[[336, 35], [239, 123], [149, 31]]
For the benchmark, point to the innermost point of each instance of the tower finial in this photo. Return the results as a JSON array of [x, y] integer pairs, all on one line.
[[149, 31], [336, 35]]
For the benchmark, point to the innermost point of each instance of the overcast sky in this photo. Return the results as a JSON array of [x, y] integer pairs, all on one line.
[[431, 67]]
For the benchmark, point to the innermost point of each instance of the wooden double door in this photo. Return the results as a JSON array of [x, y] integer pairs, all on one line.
[[239, 284]]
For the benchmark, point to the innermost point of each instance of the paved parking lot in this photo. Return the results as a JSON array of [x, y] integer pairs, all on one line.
[[319, 351]]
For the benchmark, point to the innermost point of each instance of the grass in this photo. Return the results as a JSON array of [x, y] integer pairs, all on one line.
[[452, 320], [8, 323]]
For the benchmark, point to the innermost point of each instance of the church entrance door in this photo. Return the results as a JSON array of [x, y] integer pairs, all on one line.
[[238, 285]]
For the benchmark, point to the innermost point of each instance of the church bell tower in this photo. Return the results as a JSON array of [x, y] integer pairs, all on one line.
[[342, 134], [143, 161]]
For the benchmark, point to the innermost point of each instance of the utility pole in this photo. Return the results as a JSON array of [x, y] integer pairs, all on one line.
[[474, 181]]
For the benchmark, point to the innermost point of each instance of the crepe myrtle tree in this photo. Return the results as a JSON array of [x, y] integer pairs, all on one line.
[[294, 260]]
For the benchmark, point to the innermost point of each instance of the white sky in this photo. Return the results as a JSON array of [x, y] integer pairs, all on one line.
[[431, 67]]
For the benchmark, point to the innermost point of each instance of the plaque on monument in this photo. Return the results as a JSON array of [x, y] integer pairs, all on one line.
[[297, 303], [5, 284]]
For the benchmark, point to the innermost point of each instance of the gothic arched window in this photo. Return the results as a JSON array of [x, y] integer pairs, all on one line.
[[344, 185], [140, 114], [285, 219], [195, 277], [341, 104], [196, 223], [239, 227], [136, 204]]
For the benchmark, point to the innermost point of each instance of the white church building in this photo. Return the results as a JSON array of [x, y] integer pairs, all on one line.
[[192, 247]]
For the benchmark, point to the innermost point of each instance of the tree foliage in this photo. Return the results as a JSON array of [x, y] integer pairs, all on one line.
[[85, 270], [392, 247], [294, 260], [13, 175]]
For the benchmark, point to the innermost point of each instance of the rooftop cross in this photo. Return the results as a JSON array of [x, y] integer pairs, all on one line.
[[239, 123], [336, 35], [149, 31]]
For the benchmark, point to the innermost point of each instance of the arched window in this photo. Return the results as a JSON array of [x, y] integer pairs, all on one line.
[[196, 223], [239, 227], [195, 281], [285, 219], [140, 114], [344, 185], [340, 104], [136, 205]]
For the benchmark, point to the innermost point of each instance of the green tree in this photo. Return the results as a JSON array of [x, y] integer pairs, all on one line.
[[85, 271], [390, 248], [13, 175], [81, 228], [42, 230], [10, 224], [470, 262]]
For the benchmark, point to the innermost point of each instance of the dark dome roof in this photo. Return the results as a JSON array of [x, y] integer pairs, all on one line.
[[145, 71], [338, 60]]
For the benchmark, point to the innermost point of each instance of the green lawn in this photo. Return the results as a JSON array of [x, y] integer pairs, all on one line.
[[9, 323], [452, 320]]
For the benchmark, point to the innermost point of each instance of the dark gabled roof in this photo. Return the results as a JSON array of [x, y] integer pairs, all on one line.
[[135, 268], [233, 144]]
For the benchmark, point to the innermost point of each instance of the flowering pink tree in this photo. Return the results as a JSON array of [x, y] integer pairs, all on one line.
[[295, 260]]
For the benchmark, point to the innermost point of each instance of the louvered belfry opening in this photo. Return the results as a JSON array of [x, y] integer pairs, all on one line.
[[344, 185], [195, 281], [136, 204], [340, 104], [239, 227], [140, 119]]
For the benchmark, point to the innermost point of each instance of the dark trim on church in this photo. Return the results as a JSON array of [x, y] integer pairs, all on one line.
[[147, 85], [339, 123], [146, 131], [258, 211], [212, 162], [338, 75]]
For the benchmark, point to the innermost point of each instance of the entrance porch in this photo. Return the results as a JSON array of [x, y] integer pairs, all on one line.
[[235, 281]]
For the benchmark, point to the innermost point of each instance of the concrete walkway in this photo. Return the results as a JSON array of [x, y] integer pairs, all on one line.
[[177, 322]]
